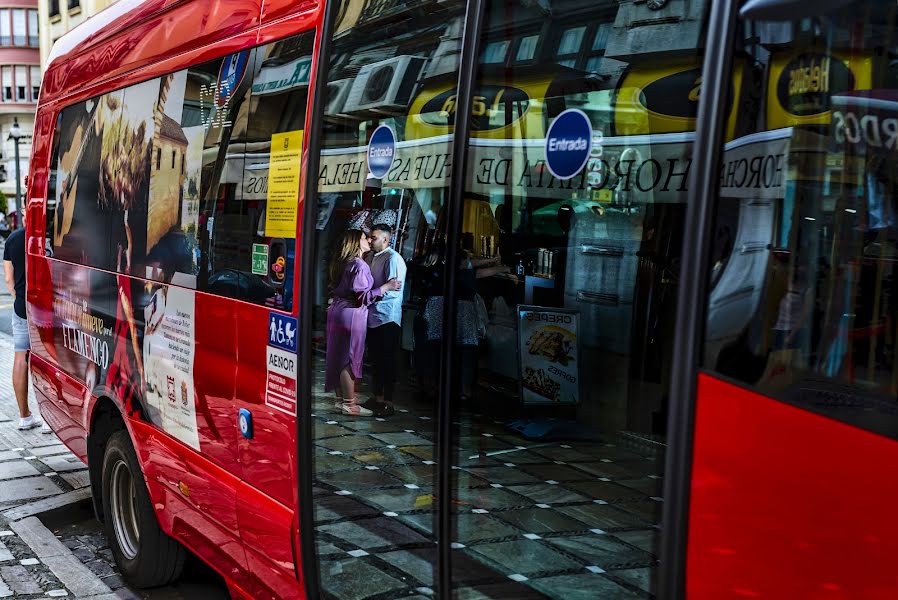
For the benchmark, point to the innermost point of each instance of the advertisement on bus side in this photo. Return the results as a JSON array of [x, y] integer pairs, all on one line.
[[128, 339]]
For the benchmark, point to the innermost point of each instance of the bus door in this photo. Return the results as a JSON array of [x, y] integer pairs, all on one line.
[[505, 413], [795, 417], [264, 171]]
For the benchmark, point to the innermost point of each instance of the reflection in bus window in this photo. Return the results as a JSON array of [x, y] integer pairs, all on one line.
[[564, 299], [802, 302]]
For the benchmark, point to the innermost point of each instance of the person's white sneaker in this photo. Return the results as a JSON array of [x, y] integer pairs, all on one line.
[[29, 422]]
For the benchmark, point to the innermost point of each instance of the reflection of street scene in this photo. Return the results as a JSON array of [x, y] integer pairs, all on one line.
[[173, 200], [124, 173], [103, 177]]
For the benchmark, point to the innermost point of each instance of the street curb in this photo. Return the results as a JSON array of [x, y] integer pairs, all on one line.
[[70, 571], [45, 505]]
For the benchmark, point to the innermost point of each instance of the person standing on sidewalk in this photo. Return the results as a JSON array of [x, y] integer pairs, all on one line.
[[14, 274], [384, 320]]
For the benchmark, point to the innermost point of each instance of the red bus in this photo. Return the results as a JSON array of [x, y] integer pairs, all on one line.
[[660, 237]]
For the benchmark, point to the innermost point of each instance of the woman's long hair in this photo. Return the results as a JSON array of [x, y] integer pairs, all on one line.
[[346, 249]]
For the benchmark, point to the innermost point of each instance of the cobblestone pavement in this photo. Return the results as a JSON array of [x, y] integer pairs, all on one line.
[[36, 473], [50, 543]]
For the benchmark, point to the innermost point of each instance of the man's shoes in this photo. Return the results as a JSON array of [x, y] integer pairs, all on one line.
[[29, 422], [380, 409]]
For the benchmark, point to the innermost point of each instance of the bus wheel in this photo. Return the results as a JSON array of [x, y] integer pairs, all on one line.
[[146, 556]]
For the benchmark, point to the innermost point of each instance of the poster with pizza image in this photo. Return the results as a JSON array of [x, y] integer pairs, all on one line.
[[548, 351]]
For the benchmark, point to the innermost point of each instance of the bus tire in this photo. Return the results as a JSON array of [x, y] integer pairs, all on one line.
[[146, 556]]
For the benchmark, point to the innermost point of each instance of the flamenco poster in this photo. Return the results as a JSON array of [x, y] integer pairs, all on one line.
[[128, 339], [548, 349]]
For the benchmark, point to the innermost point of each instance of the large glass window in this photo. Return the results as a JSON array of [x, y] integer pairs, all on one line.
[[803, 303], [19, 27], [565, 301], [383, 182], [5, 27], [167, 180], [572, 217], [33, 40]]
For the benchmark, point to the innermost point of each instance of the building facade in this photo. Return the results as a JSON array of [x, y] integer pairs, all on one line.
[[60, 16], [20, 80]]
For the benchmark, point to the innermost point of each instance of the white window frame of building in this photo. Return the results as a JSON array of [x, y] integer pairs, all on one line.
[[5, 27], [19, 27], [35, 81], [6, 80], [21, 83], [33, 30]]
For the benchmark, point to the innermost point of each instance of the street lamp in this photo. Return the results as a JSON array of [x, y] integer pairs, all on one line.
[[15, 134]]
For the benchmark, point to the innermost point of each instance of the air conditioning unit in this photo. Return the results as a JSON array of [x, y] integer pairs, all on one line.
[[386, 86], [337, 92]]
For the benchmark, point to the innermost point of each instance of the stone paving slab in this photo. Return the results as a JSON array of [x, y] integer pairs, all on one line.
[[77, 479], [39, 538], [37, 474], [76, 577], [29, 487], [16, 469], [49, 450], [20, 580], [64, 463], [47, 504]]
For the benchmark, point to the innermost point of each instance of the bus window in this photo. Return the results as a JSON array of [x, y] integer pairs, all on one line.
[[802, 303], [564, 304], [225, 226], [578, 166], [83, 202], [382, 190], [271, 171]]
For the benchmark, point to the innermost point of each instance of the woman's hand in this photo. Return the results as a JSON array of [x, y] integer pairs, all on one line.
[[393, 285]]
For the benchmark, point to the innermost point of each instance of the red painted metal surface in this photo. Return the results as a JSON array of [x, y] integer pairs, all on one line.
[[265, 528], [145, 36], [234, 501], [788, 504]]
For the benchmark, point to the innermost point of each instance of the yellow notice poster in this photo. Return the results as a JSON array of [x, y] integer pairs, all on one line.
[[283, 184]]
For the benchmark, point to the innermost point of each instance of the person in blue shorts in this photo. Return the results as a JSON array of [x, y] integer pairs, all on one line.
[[14, 274]]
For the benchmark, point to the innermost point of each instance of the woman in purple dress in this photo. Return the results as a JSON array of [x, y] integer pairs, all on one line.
[[347, 319]]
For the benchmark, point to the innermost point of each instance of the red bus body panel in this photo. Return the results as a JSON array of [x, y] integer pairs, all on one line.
[[786, 503], [234, 503]]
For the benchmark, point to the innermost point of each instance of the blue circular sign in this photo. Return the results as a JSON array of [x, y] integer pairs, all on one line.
[[381, 151], [230, 74], [567, 143]]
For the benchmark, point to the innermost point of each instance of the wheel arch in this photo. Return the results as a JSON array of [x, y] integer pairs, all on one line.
[[105, 419]]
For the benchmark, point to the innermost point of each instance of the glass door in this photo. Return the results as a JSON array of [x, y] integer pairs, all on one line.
[[383, 179], [577, 178], [565, 258]]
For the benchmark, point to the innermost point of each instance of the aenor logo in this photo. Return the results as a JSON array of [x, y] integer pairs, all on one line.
[[489, 101], [809, 80]]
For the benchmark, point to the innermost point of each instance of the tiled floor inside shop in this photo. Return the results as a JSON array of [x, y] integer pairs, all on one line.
[[562, 520]]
